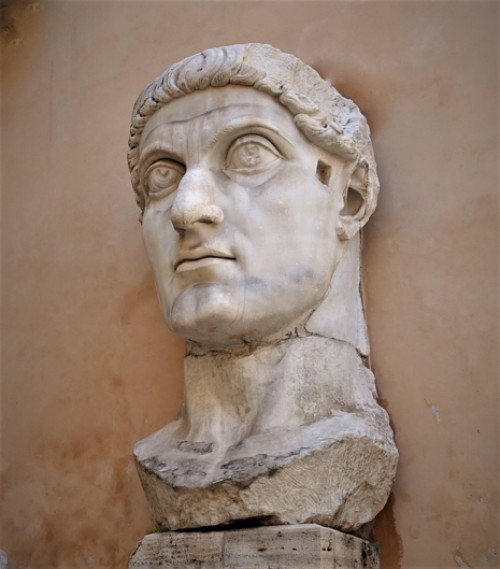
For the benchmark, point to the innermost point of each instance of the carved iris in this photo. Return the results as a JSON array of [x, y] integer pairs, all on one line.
[[252, 154]]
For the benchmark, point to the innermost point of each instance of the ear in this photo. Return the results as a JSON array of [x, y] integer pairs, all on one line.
[[360, 198]]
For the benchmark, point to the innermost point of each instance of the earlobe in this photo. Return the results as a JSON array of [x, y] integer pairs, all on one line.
[[360, 200], [349, 222]]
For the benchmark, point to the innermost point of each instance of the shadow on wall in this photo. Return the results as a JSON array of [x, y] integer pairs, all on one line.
[[10, 11], [391, 544]]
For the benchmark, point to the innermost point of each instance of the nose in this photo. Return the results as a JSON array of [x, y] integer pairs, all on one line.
[[194, 201]]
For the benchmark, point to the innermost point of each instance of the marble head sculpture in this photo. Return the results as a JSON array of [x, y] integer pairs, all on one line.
[[254, 177]]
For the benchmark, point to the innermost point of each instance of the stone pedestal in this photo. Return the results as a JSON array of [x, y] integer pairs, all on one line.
[[274, 547]]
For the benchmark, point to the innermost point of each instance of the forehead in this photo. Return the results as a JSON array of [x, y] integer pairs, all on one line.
[[216, 108]]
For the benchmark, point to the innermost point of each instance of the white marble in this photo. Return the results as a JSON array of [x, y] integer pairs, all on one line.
[[286, 547], [250, 245], [254, 177], [4, 560], [289, 438]]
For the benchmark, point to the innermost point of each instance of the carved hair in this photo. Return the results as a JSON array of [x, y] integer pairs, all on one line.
[[325, 117]]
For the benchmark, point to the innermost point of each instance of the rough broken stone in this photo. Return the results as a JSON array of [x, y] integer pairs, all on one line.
[[286, 547], [336, 471]]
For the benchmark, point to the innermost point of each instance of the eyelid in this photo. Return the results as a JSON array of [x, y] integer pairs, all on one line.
[[277, 139], [153, 158], [175, 164], [155, 153]]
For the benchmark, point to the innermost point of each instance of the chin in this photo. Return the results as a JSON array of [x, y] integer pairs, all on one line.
[[219, 330], [212, 333], [218, 315], [206, 316], [215, 327]]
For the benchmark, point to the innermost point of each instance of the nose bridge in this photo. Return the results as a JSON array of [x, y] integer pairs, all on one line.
[[194, 200], [193, 188]]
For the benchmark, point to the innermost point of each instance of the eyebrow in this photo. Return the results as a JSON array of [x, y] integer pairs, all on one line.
[[183, 121], [243, 123], [158, 147], [264, 124]]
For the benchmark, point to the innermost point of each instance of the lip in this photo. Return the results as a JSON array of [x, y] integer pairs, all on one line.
[[200, 259]]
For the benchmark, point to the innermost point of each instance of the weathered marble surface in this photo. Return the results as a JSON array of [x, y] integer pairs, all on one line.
[[254, 177], [286, 547], [317, 447]]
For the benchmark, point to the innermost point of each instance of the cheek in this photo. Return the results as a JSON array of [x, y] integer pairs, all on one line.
[[287, 227], [276, 208], [307, 218], [158, 236]]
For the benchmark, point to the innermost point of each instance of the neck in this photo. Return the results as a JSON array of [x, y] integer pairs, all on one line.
[[230, 397]]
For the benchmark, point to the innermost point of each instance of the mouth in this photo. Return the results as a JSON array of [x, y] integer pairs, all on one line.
[[199, 261]]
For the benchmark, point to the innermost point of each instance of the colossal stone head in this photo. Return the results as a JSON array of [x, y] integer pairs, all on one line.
[[253, 176]]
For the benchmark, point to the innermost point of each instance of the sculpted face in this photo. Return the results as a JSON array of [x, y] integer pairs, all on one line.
[[240, 216]]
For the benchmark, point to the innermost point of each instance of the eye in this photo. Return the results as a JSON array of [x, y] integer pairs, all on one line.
[[252, 154], [163, 177]]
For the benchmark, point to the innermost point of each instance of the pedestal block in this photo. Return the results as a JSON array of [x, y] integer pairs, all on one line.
[[273, 547]]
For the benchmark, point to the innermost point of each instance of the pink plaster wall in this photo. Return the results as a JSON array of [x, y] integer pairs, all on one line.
[[87, 365]]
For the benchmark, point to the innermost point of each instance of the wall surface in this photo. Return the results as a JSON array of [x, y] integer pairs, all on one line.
[[87, 365]]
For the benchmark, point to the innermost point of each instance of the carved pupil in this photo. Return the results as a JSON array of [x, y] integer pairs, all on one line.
[[250, 155], [252, 152], [162, 177]]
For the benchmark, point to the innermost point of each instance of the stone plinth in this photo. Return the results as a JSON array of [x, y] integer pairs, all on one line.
[[284, 547]]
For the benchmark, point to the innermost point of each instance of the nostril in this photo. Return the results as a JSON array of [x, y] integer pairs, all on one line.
[[213, 214], [183, 219], [180, 230]]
